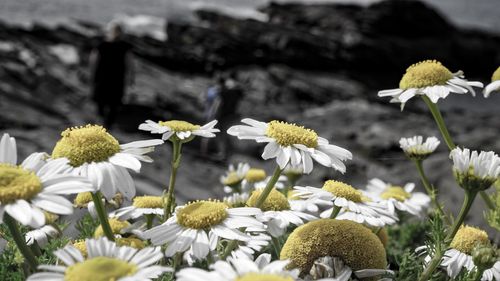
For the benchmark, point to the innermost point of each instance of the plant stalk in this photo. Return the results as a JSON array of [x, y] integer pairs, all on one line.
[[103, 216], [20, 241], [436, 260], [176, 161], [431, 191], [335, 211], [440, 122]]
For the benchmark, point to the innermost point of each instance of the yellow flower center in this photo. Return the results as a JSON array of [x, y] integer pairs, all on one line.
[[496, 75], [130, 242], [99, 269], [81, 246], [116, 226], [467, 238], [82, 199], [148, 202], [179, 126], [424, 74], [395, 192], [232, 179], [287, 134], [275, 201], [17, 183], [255, 175], [91, 143], [254, 276], [355, 244], [202, 214], [343, 190]]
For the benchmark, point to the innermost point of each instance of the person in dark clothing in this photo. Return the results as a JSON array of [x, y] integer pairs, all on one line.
[[111, 65], [230, 96]]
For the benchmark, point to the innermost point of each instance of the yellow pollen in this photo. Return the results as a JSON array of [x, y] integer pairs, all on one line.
[[232, 179], [116, 226], [352, 242], [81, 246], [395, 192], [467, 238], [91, 143], [255, 175], [131, 242], [148, 202], [254, 276], [343, 190], [17, 183], [179, 126], [287, 134], [424, 74], [275, 201], [82, 199], [100, 269], [202, 214], [496, 75]]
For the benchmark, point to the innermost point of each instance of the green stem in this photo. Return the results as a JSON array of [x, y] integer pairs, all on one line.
[[262, 198], [487, 200], [103, 216], [277, 247], [149, 220], [440, 122], [35, 248], [431, 191], [436, 260], [20, 241], [176, 161], [335, 211], [479, 273], [269, 187]]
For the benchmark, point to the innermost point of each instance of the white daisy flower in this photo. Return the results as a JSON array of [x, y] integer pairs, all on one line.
[[41, 235], [104, 261], [277, 213], [416, 148], [334, 269], [350, 203], [141, 206], [236, 199], [494, 86], [28, 189], [429, 78], [95, 154], [254, 179], [475, 170], [200, 225], [247, 249], [311, 205], [290, 143], [234, 175], [235, 269], [183, 130], [459, 257], [397, 197], [250, 185]]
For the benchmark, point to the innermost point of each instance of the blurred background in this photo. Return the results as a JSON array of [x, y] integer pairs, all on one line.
[[316, 63]]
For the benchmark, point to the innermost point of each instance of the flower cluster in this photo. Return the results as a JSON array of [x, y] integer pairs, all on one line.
[[267, 227]]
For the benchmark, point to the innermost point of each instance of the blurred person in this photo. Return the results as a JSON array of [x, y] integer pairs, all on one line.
[[230, 96], [211, 101], [111, 68]]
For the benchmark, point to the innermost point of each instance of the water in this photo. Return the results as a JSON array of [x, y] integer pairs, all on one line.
[[482, 14]]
